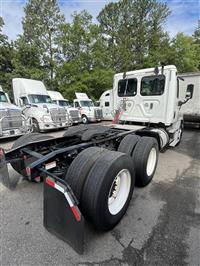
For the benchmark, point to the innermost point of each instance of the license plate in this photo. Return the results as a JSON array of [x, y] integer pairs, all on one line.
[[50, 165], [12, 132]]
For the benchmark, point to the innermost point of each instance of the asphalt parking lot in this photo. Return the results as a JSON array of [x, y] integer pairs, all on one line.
[[161, 226]]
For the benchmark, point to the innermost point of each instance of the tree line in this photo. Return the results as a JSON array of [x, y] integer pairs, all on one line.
[[83, 56]]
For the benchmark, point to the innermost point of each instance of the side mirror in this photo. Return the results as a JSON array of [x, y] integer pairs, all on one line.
[[189, 91]]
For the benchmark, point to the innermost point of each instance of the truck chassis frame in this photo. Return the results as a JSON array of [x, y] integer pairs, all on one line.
[[49, 160]]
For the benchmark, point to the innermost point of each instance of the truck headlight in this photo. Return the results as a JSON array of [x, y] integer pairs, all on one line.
[[46, 119]]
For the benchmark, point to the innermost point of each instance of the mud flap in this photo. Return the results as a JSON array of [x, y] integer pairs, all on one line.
[[4, 175], [61, 216]]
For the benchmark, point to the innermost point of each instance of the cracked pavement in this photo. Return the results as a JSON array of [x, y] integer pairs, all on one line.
[[161, 226]]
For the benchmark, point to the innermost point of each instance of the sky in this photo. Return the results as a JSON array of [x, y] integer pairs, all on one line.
[[184, 14]]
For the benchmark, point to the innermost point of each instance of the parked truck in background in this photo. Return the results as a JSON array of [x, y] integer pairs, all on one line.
[[73, 113], [89, 113], [105, 102], [12, 121], [191, 109], [91, 171], [33, 98]]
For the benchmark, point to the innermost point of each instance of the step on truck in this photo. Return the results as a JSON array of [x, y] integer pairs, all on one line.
[[32, 97], [73, 113], [90, 172], [12, 122]]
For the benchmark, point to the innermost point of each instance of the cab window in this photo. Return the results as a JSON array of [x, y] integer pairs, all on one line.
[[76, 104], [152, 85], [127, 87], [24, 101]]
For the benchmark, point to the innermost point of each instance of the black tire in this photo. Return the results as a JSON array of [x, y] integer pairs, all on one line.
[[18, 167], [98, 186], [35, 126], [80, 167], [140, 157], [85, 119], [128, 144]]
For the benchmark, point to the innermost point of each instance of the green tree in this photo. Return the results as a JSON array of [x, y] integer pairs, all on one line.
[[133, 32], [26, 61], [6, 55], [41, 26], [196, 34], [84, 58], [185, 53]]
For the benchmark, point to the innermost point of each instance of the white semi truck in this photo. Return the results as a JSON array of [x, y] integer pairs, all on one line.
[[12, 121], [73, 113], [33, 98], [90, 172], [105, 102], [89, 113], [191, 110]]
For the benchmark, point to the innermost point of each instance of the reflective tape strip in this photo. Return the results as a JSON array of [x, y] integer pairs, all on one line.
[[50, 182], [68, 199], [61, 189], [73, 207], [76, 213]]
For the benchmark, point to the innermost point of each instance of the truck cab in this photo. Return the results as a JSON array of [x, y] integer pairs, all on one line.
[[12, 122], [73, 113], [150, 97], [89, 113], [36, 104], [105, 102]]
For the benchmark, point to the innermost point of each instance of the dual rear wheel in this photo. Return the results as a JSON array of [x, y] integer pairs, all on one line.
[[103, 180], [144, 153]]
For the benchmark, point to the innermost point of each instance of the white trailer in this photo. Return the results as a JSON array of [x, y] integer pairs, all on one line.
[[73, 113], [12, 121], [89, 113], [32, 96], [190, 110], [105, 102]]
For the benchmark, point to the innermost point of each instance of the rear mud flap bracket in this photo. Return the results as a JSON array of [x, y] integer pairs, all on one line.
[[62, 216], [4, 175]]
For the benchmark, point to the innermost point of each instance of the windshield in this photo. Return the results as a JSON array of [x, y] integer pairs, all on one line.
[[86, 103], [63, 103], [3, 98], [34, 98]]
